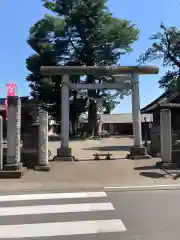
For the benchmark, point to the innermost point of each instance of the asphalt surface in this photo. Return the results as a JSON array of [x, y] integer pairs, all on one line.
[[148, 215], [91, 215]]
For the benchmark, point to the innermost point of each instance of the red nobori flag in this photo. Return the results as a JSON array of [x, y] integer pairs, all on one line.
[[11, 87]]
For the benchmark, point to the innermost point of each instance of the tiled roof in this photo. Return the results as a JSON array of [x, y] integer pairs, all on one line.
[[124, 118], [163, 99], [117, 118], [170, 105]]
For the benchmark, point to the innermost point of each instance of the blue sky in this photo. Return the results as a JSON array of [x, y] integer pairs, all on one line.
[[17, 16]]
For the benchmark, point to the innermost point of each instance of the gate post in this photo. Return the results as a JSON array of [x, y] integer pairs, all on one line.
[[13, 167], [136, 115], [64, 152], [166, 136], [137, 151], [43, 161]]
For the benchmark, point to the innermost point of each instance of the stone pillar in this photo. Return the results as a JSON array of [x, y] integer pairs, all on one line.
[[136, 114], [43, 161], [64, 152], [13, 166], [137, 151], [166, 136], [1, 143]]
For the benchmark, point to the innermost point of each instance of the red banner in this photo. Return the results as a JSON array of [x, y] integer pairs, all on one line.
[[11, 87]]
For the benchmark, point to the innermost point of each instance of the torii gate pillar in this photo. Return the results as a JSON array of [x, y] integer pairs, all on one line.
[[64, 152], [138, 151]]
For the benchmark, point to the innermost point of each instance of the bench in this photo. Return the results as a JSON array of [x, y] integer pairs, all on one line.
[[106, 155]]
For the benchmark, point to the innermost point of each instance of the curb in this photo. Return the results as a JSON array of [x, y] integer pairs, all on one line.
[[43, 188], [51, 189], [142, 188]]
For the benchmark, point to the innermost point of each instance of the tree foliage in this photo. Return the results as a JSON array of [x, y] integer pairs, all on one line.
[[79, 32], [166, 47]]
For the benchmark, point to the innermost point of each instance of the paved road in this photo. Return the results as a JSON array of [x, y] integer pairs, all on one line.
[[144, 215], [149, 215]]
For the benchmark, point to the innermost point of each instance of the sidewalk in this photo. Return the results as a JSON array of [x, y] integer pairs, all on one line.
[[90, 174]]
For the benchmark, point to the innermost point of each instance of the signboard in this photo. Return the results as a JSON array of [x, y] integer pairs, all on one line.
[[147, 117], [11, 91]]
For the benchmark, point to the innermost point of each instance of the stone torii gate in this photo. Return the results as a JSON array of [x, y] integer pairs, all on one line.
[[124, 74]]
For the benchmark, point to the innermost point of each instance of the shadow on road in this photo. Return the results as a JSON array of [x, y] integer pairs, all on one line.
[[157, 172], [146, 167], [57, 138], [152, 174], [109, 148]]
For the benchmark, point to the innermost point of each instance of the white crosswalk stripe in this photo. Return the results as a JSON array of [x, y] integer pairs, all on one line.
[[56, 214], [51, 196], [62, 208]]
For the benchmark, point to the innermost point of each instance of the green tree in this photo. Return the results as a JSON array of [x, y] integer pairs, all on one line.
[[166, 47], [48, 51], [81, 32]]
